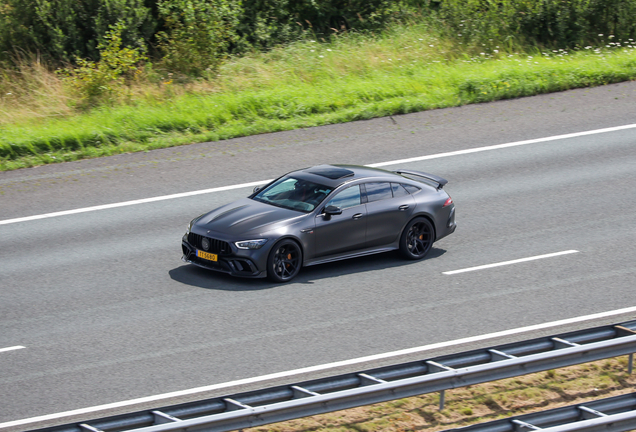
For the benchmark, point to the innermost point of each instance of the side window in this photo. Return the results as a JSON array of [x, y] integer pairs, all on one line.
[[398, 190], [378, 191], [412, 189], [349, 197]]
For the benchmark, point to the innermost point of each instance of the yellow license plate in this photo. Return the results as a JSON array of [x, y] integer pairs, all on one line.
[[206, 255]]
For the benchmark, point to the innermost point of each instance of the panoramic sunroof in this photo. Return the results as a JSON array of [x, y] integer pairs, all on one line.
[[331, 172]]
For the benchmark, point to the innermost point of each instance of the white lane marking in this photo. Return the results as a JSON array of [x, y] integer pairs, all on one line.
[[260, 182], [129, 203], [502, 146], [504, 263], [13, 348], [286, 374]]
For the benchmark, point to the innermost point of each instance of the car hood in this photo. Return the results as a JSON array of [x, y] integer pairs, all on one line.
[[246, 216]]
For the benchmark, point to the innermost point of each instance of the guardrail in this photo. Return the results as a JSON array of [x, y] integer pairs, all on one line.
[[324, 395], [617, 414]]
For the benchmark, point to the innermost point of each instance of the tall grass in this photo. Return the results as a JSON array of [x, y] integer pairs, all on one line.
[[406, 69], [30, 91]]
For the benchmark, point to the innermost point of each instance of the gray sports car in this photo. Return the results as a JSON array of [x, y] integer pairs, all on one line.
[[321, 214]]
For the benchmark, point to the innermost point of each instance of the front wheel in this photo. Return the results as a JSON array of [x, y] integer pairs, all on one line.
[[417, 239], [284, 261]]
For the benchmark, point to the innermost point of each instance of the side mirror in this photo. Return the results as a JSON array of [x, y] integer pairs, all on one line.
[[332, 211], [257, 188]]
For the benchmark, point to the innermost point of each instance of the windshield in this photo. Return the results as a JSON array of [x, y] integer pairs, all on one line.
[[294, 194]]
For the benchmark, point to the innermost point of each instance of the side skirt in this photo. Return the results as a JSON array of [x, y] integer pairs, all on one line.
[[348, 255]]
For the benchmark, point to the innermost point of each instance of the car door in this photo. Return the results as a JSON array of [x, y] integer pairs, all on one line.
[[389, 208], [344, 232]]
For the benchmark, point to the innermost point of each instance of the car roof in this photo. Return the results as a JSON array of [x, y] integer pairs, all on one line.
[[335, 175]]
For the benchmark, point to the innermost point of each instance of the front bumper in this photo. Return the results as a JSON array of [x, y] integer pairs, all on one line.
[[228, 261]]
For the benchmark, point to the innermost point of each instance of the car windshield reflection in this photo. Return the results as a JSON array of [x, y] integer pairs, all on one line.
[[293, 194]]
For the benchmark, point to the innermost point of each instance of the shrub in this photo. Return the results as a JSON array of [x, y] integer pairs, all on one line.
[[61, 30], [265, 23], [198, 33], [549, 23], [99, 81]]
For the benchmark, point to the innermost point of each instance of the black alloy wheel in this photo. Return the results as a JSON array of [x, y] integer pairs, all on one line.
[[284, 261], [417, 238]]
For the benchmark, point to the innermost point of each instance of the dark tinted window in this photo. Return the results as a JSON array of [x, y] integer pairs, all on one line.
[[349, 197], [412, 189], [378, 191], [332, 172], [398, 190]]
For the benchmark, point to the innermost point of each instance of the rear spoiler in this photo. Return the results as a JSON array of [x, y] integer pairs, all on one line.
[[430, 177]]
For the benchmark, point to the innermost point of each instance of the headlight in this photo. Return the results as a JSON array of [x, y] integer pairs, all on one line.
[[250, 244]]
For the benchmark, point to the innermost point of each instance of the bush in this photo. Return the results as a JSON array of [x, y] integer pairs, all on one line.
[[198, 33], [265, 23], [548, 23], [61, 30], [98, 81]]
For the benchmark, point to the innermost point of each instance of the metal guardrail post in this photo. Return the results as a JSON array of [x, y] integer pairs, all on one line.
[[624, 330], [438, 367]]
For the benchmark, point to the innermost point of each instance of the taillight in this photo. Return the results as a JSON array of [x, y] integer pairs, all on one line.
[[448, 202]]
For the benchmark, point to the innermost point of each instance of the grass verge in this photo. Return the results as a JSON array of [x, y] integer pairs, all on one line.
[[305, 85], [476, 403]]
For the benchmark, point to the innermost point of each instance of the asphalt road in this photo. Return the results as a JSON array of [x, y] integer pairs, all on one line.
[[107, 312]]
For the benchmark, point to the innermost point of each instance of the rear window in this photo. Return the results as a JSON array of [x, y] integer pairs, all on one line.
[[378, 191], [398, 190], [412, 189]]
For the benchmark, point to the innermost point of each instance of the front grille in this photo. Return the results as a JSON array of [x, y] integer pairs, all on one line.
[[217, 246]]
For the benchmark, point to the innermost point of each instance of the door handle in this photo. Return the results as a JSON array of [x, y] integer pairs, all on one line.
[[403, 207], [357, 216]]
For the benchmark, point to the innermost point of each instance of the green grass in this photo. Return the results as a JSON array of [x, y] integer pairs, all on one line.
[[308, 84]]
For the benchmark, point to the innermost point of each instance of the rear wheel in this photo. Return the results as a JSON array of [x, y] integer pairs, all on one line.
[[417, 239], [284, 261]]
